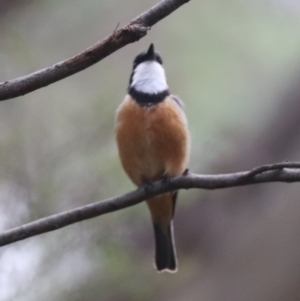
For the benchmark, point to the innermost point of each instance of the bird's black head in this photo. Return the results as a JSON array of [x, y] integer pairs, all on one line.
[[149, 55], [148, 84]]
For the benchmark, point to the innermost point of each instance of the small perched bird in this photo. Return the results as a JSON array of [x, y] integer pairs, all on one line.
[[153, 144]]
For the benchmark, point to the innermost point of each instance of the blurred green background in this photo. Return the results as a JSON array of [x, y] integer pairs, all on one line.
[[235, 65]]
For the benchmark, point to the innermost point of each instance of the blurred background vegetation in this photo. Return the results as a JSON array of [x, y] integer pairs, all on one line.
[[236, 66]]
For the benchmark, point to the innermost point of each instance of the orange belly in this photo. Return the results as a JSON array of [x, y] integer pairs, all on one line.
[[152, 141]]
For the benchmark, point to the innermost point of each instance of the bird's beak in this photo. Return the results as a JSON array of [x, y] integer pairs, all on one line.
[[151, 52]]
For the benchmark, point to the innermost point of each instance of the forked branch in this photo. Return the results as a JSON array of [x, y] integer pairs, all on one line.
[[130, 33], [280, 172]]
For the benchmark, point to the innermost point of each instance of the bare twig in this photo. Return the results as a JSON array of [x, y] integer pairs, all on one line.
[[281, 172], [277, 166], [130, 33]]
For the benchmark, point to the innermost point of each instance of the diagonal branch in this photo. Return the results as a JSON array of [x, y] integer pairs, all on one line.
[[130, 33], [280, 172]]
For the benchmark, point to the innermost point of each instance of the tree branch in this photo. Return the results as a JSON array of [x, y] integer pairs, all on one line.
[[280, 172], [130, 33]]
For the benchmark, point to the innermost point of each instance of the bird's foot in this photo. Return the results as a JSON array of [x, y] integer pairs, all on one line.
[[186, 172]]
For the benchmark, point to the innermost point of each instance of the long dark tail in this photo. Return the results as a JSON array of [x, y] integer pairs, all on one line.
[[165, 254], [162, 210]]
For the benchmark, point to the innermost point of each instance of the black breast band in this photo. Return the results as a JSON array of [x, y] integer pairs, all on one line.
[[146, 99]]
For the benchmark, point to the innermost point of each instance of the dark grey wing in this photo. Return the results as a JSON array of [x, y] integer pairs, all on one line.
[[178, 101]]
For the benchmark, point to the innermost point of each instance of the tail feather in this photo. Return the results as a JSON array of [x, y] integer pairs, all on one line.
[[165, 255]]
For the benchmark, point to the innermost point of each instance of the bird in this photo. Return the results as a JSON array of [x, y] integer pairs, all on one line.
[[153, 143]]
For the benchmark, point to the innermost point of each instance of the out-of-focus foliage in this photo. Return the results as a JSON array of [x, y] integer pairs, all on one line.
[[230, 61]]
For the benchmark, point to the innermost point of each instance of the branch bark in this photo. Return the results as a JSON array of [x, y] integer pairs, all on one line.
[[280, 172], [130, 33]]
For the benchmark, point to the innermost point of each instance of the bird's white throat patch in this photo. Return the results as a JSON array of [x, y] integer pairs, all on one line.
[[149, 77]]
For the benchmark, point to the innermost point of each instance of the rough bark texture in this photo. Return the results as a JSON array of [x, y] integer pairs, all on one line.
[[130, 33], [280, 172]]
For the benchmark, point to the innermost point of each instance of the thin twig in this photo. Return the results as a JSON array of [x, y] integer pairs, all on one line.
[[267, 167], [117, 27], [130, 33], [280, 172]]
